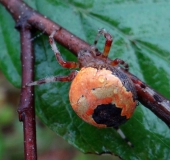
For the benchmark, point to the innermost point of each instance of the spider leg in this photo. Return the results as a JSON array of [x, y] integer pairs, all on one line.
[[59, 58], [108, 42], [120, 132], [119, 61], [67, 78]]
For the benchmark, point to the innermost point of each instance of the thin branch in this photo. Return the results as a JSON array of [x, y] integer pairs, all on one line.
[[151, 99], [26, 108], [22, 12]]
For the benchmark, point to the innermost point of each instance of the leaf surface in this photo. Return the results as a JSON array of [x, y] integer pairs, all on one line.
[[141, 38]]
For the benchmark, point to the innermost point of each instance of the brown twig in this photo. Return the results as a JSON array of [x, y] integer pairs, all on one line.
[[23, 13], [26, 109], [151, 99]]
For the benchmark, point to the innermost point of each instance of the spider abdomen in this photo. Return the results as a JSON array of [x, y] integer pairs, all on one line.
[[102, 97]]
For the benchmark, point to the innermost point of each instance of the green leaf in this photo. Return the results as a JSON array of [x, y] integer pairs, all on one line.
[[141, 38], [9, 48]]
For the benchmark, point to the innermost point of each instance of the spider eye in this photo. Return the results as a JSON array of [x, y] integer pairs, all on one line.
[[81, 53], [85, 50]]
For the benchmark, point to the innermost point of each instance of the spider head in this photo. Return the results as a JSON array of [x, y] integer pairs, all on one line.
[[90, 57], [85, 57]]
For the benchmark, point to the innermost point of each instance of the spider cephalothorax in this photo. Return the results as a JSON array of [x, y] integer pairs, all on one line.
[[101, 93]]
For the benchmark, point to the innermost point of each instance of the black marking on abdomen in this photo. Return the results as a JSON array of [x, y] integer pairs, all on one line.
[[109, 115], [126, 81]]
